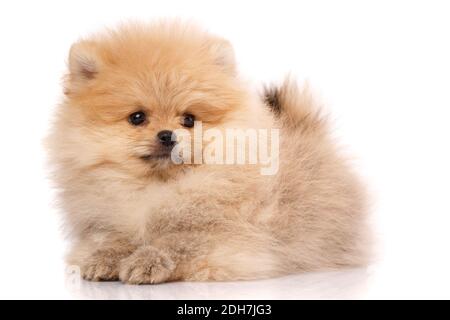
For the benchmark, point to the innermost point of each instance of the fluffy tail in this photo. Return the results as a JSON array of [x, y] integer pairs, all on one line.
[[294, 106]]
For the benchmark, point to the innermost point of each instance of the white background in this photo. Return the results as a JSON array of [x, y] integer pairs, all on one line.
[[382, 68]]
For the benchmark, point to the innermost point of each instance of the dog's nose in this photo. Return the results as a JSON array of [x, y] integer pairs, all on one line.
[[165, 138]]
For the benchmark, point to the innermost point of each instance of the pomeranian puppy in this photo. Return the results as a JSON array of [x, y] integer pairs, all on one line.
[[139, 214]]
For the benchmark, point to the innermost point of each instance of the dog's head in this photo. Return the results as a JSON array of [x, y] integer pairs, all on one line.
[[129, 90]]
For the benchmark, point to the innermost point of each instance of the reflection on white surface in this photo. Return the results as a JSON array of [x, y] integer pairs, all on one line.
[[345, 284]]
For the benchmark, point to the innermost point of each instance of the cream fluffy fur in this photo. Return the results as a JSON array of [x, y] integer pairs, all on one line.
[[153, 221]]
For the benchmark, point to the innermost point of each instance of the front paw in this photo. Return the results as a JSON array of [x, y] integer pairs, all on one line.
[[147, 265], [102, 265]]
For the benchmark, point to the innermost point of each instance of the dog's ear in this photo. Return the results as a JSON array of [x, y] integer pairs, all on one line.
[[84, 60], [223, 53], [84, 64]]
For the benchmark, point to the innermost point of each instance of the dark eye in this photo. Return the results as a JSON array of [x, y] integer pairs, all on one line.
[[188, 120], [137, 118]]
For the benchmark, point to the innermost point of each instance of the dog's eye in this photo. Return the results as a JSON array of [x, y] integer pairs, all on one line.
[[137, 118], [188, 120]]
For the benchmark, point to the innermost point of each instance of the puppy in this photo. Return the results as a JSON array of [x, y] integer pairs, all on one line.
[[136, 214]]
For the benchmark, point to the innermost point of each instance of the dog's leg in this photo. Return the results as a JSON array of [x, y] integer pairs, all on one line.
[[99, 260], [202, 256]]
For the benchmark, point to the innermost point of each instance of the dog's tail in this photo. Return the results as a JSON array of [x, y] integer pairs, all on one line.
[[294, 106]]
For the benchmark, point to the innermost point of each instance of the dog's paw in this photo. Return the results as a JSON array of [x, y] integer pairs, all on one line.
[[103, 265], [147, 265]]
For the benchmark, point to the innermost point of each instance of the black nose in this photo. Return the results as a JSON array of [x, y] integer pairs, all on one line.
[[165, 138]]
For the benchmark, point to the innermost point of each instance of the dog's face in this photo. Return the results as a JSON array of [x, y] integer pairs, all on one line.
[[129, 90]]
